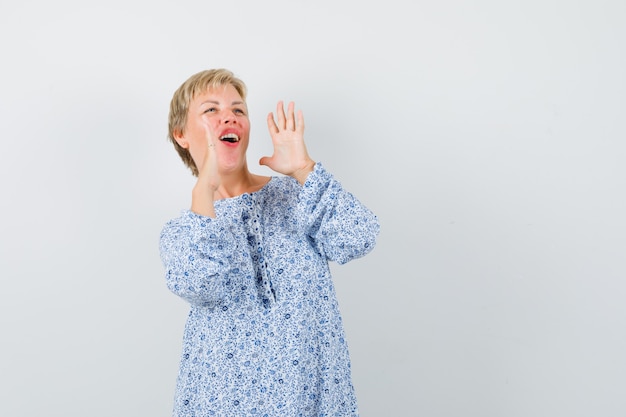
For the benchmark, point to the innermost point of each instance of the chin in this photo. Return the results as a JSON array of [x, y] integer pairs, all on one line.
[[232, 166]]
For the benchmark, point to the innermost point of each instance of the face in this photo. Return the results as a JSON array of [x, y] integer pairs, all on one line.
[[221, 116]]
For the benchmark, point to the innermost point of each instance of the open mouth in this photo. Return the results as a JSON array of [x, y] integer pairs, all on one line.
[[230, 137]]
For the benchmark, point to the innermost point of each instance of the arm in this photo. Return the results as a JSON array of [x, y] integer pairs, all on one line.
[[196, 251], [339, 226]]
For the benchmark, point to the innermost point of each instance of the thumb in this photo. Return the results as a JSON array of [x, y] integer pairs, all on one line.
[[265, 160]]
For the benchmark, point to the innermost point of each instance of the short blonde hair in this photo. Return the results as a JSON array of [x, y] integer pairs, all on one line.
[[179, 106]]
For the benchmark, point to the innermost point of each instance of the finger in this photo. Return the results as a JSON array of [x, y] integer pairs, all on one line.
[[211, 137], [300, 124], [210, 156], [291, 121], [280, 114], [271, 124], [205, 168]]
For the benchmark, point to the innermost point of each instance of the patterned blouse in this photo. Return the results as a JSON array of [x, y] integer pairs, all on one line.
[[264, 335]]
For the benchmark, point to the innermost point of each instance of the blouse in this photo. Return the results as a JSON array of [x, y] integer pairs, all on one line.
[[264, 334]]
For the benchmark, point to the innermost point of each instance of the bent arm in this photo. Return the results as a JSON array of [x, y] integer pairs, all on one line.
[[195, 251], [339, 225]]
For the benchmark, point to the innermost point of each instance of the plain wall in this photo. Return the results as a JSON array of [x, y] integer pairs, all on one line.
[[488, 136]]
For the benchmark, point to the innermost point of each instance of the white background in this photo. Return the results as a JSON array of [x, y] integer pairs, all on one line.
[[488, 136]]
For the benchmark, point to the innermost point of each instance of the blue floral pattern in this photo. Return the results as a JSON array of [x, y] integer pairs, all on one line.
[[264, 335]]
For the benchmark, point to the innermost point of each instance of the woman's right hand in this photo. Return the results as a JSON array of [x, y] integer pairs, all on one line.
[[203, 194]]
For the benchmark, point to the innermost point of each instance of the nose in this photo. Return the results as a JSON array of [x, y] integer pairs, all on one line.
[[229, 117]]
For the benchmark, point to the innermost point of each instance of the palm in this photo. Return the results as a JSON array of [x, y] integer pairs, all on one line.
[[287, 132]]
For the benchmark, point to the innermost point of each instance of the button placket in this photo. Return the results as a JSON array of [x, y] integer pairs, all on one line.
[[252, 220]]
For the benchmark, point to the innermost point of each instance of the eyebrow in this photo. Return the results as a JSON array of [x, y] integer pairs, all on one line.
[[217, 102]]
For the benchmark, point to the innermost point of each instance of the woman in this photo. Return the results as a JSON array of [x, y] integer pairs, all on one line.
[[264, 335]]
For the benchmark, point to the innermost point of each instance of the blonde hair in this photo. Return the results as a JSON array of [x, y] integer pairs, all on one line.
[[179, 106]]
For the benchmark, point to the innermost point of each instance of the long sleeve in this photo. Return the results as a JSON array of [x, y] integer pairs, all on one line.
[[196, 252], [339, 226]]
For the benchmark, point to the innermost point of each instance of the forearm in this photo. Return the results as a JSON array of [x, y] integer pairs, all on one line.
[[202, 200], [339, 224], [193, 250]]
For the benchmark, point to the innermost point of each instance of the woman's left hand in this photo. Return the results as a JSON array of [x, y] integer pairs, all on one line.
[[290, 155]]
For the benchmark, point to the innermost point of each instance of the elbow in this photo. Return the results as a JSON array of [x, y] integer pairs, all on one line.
[[347, 252], [197, 293]]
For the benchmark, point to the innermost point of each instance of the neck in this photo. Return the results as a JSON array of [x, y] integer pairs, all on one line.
[[236, 183]]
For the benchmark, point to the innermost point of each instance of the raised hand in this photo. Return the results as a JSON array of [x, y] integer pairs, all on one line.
[[290, 154], [203, 193]]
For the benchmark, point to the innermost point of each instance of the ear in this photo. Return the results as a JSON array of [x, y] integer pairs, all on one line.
[[180, 139]]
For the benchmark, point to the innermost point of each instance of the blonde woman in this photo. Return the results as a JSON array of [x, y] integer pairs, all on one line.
[[264, 336]]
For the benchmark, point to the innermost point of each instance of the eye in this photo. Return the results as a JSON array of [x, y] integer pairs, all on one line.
[[239, 111], [210, 110]]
